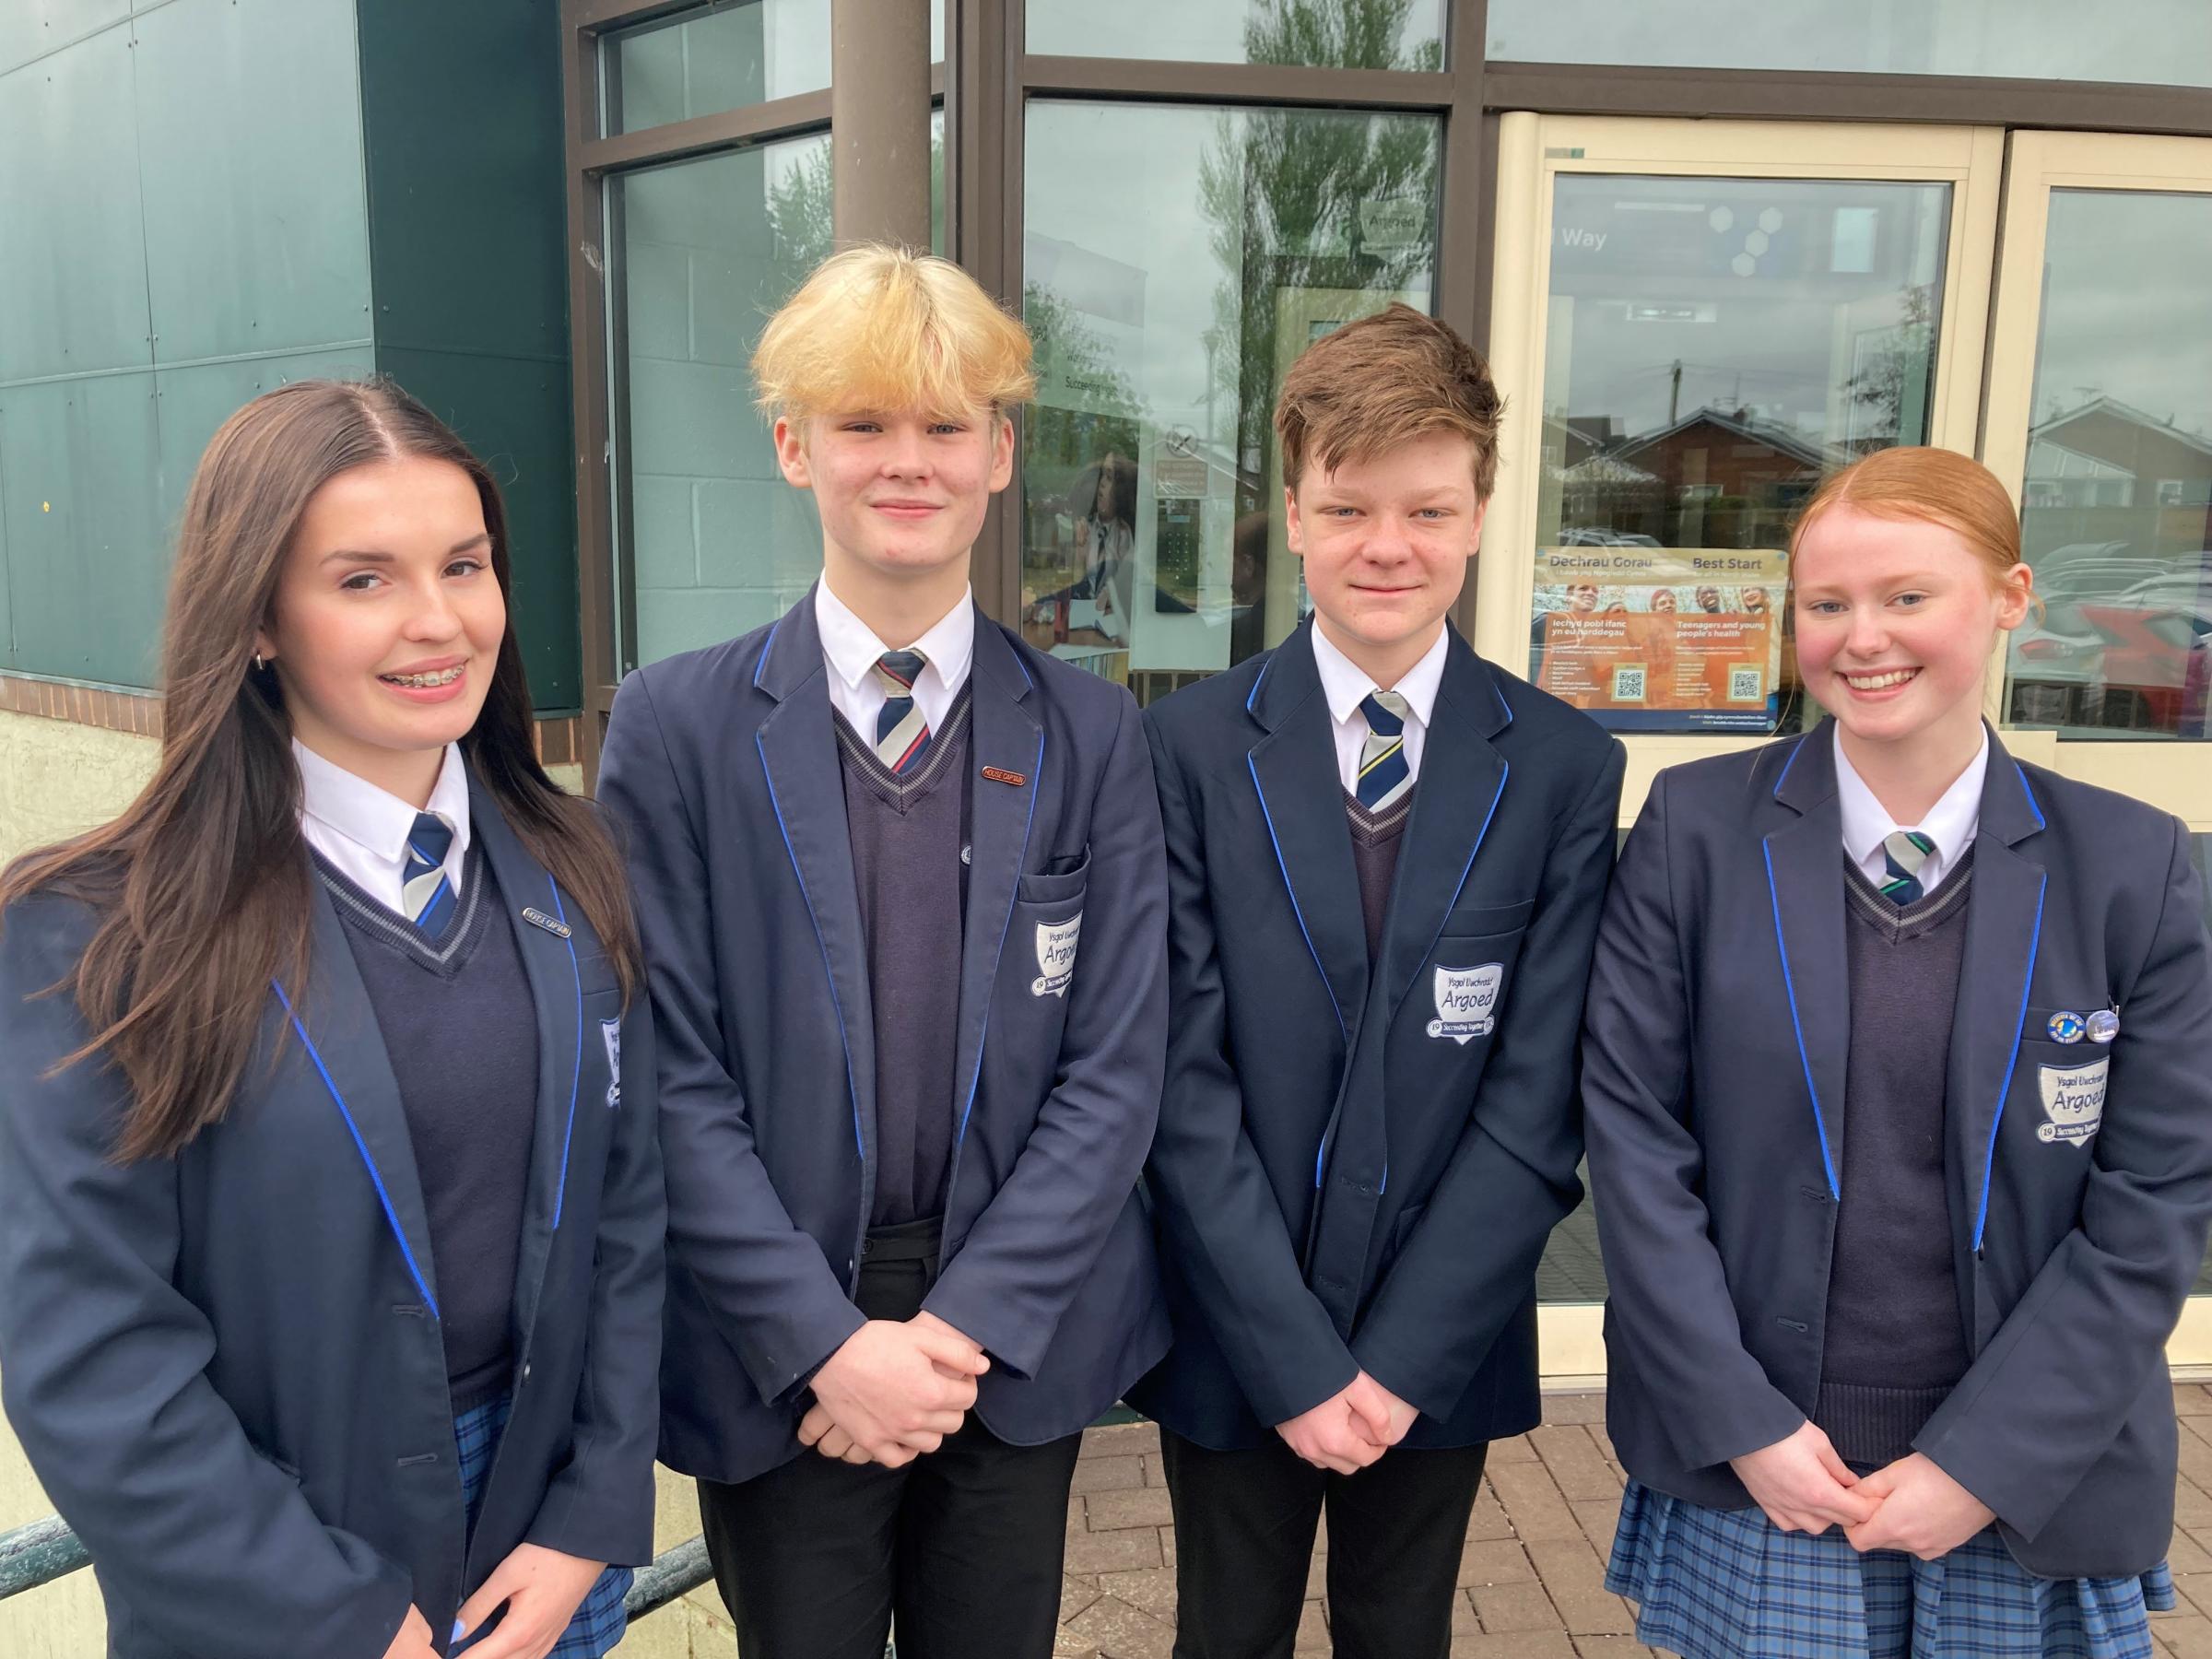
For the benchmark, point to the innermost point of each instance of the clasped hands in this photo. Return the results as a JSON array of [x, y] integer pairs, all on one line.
[[896, 1388], [1349, 1430], [1910, 1505], [540, 1589]]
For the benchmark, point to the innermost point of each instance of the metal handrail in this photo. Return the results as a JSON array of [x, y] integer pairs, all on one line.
[[37, 1554], [45, 1550]]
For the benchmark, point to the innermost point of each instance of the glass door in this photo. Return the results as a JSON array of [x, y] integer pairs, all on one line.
[[2099, 418], [1694, 322]]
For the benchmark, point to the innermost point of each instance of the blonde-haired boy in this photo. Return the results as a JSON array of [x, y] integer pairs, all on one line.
[[902, 891]]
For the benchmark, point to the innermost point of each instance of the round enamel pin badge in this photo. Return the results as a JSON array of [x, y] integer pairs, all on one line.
[[2067, 1027], [2104, 1025]]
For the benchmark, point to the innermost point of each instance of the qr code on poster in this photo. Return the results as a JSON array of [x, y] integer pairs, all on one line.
[[1746, 684], [1627, 682]]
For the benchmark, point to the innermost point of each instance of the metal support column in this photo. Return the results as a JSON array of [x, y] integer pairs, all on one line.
[[879, 53]]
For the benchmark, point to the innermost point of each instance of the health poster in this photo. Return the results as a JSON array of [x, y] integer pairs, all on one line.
[[1662, 639]]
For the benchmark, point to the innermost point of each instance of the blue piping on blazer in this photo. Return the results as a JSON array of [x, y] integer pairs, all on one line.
[[1272, 841], [560, 1192], [975, 1077], [844, 1042], [1505, 772], [1835, 1190], [1989, 1166], [360, 1146]]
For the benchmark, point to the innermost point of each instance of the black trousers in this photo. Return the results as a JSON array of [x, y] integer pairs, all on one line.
[[1245, 1526], [962, 1547]]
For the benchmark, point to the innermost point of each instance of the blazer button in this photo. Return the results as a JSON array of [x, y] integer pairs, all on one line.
[[525, 1370]]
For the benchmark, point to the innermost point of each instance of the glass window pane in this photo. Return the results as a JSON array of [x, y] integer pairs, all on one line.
[[713, 542], [704, 63], [1714, 348], [724, 57], [1166, 294], [1347, 34], [2116, 510], [2159, 42]]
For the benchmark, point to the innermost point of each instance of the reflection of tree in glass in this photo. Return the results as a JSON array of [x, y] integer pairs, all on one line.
[[1080, 359], [799, 215], [800, 209], [1058, 441], [1283, 190], [1893, 376]]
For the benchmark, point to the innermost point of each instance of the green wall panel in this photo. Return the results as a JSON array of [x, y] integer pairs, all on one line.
[[7, 614], [467, 219], [515, 413], [72, 257], [87, 547], [31, 28], [276, 189], [256, 225], [191, 403], [465, 191]]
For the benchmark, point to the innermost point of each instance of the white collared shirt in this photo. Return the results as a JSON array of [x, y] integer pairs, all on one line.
[[1951, 823], [363, 831], [1346, 685], [850, 649]]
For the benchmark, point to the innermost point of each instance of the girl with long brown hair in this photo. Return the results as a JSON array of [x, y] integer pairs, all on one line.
[[328, 1162]]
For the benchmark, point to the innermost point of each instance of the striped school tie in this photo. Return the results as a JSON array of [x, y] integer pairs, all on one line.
[[901, 734], [424, 894], [1384, 775], [1904, 851]]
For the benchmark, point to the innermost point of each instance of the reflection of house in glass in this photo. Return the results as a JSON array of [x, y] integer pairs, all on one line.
[[1713, 479], [2107, 472]]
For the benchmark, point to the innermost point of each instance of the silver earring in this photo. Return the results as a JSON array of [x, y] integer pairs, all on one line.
[[258, 663]]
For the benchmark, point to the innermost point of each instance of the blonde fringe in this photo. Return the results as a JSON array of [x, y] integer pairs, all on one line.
[[880, 329]]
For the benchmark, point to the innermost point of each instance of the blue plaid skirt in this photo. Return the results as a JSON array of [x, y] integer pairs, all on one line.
[[600, 1619], [1715, 1583]]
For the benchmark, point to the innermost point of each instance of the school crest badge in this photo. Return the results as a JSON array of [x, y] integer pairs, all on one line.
[[1056, 955], [1467, 1002], [610, 1033], [2073, 1102]]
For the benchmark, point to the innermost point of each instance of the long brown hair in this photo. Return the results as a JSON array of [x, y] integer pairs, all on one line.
[[202, 887]]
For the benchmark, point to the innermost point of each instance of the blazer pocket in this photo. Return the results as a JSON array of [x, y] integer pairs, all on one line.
[[595, 972], [1053, 885], [1480, 921]]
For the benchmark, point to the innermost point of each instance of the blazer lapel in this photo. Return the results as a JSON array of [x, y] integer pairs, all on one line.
[[1302, 801], [1007, 737], [1805, 889], [556, 993], [2004, 929], [338, 1024], [797, 749], [1461, 780]]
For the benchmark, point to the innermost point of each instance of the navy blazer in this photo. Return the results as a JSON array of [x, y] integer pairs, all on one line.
[[1713, 1078], [225, 1366], [1343, 1182], [723, 764]]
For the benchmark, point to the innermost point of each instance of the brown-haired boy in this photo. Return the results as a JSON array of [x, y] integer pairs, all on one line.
[[1386, 858]]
